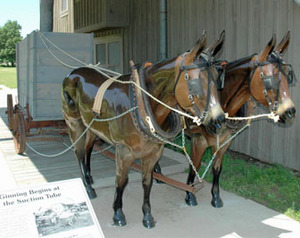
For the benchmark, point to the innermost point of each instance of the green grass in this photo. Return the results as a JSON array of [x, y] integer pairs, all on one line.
[[8, 77], [271, 185]]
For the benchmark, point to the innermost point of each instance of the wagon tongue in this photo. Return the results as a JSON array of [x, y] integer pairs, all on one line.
[[196, 186]]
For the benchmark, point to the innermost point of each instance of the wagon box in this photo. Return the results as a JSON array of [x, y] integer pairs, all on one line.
[[43, 60]]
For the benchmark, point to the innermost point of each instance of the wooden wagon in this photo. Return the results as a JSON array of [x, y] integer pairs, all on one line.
[[41, 68]]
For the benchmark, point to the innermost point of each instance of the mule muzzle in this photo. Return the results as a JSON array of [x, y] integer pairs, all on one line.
[[216, 124], [288, 116]]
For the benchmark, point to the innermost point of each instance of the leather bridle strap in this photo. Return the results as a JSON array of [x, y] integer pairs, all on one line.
[[194, 85], [264, 79]]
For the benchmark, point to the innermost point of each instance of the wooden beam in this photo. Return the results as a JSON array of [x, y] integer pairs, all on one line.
[[160, 177]]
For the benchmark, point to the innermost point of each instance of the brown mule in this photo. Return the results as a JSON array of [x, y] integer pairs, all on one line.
[[186, 82], [265, 77]]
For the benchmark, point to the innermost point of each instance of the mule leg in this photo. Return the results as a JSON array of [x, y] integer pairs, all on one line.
[[124, 160], [148, 163], [76, 129], [89, 144], [157, 169], [217, 169], [199, 146]]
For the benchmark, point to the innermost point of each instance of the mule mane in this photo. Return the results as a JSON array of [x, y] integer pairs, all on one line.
[[239, 62], [159, 65], [237, 75]]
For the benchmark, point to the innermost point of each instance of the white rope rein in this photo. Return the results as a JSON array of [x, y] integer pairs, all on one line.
[[64, 151], [83, 133], [272, 115]]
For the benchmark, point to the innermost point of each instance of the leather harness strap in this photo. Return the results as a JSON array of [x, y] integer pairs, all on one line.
[[100, 93]]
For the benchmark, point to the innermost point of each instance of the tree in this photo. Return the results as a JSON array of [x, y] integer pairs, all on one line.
[[10, 35]]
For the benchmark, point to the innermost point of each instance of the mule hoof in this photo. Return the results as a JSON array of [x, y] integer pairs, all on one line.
[[92, 193], [191, 200], [119, 218], [89, 179], [148, 221], [217, 202]]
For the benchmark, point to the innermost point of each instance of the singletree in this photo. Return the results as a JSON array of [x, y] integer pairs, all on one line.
[[10, 35]]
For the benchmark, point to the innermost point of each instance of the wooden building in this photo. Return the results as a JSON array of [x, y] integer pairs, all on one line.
[[134, 29]]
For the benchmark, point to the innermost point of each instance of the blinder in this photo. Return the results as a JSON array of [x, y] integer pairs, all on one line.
[[195, 85], [221, 77], [291, 77], [269, 83], [284, 68], [220, 67]]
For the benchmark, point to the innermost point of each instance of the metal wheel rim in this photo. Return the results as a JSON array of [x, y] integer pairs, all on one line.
[[19, 133]]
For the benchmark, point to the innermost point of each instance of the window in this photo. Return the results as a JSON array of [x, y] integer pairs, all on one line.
[[64, 6], [108, 52]]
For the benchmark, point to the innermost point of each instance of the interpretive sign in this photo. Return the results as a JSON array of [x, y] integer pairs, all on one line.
[[59, 210]]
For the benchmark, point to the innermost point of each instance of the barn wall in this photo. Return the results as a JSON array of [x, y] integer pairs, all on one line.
[[63, 21], [249, 26], [141, 38]]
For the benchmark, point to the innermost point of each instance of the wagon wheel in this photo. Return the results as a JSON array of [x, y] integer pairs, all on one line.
[[19, 132], [10, 112]]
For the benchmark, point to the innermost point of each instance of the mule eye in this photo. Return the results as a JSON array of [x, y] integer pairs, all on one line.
[[186, 76]]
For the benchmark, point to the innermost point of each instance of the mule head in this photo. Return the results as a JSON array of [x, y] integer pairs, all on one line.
[[271, 78], [195, 89]]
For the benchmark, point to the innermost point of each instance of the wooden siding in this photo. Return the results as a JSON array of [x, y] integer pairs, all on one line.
[[94, 15], [141, 38], [63, 21], [249, 26]]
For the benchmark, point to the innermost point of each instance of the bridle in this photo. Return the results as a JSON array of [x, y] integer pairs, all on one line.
[[269, 81], [195, 86]]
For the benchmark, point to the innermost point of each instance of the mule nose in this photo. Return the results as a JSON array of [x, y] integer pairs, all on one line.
[[221, 118], [290, 113], [288, 116], [293, 112], [216, 124]]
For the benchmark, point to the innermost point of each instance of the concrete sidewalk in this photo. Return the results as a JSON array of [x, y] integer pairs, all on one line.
[[238, 218]]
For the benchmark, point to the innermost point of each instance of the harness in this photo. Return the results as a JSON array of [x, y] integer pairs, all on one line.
[[144, 115], [269, 81]]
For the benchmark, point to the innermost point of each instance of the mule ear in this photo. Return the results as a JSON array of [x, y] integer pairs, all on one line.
[[268, 49], [215, 47], [197, 49], [283, 45]]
